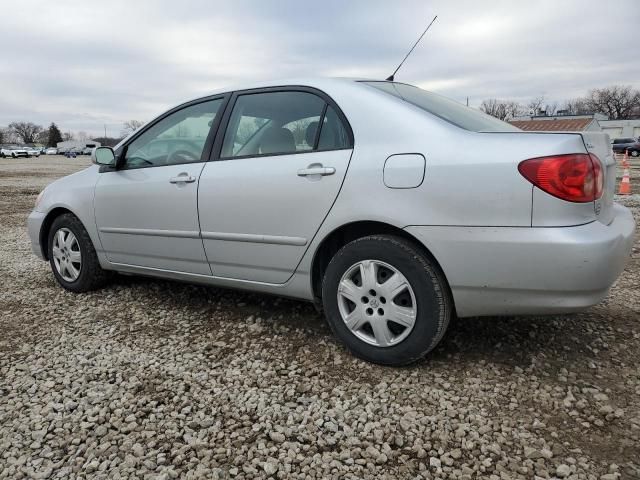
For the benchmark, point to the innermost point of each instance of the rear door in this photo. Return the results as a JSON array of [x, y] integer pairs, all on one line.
[[277, 170]]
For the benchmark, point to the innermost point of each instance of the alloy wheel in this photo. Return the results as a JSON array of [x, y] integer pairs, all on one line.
[[377, 303], [66, 255]]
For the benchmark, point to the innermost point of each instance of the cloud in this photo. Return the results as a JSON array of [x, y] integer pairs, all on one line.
[[87, 64]]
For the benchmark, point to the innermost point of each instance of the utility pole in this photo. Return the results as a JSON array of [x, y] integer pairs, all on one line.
[[105, 131], [467, 101]]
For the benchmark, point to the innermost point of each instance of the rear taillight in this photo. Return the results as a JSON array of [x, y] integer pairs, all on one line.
[[576, 177]]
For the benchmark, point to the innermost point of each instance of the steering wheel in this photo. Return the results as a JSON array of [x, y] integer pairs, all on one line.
[[180, 156]]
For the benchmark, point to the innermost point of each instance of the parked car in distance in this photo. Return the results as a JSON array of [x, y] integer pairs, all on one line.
[[13, 151], [369, 216], [73, 152], [32, 151], [87, 150], [51, 151], [632, 145]]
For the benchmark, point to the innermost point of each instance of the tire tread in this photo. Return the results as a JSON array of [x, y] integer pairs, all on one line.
[[93, 276], [430, 268]]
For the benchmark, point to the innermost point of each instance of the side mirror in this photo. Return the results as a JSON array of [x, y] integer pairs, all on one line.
[[103, 156]]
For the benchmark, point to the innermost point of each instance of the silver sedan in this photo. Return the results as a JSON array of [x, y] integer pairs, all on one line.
[[390, 207]]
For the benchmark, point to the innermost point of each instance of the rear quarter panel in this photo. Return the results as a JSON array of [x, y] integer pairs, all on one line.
[[471, 179]]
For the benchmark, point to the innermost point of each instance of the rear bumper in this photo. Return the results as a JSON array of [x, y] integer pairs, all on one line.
[[508, 271], [34, 224]]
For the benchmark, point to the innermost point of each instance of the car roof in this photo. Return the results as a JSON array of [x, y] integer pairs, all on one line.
[[315, 82]]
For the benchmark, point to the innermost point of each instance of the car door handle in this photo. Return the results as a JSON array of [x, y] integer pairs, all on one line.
[[304, 172], [182, 178]]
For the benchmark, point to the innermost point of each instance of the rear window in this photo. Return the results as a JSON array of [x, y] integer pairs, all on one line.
[[624, 140], [449, 110]]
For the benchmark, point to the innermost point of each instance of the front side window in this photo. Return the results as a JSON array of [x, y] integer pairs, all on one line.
[[274, 123], [177, 138]]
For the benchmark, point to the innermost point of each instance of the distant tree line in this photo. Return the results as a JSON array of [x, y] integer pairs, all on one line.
[[31, 133], [617, 102]]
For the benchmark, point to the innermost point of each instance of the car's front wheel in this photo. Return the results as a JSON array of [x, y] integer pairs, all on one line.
[[72, 257], [635, 153], [386, 300]]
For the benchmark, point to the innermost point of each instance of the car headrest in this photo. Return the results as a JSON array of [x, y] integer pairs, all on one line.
[[277, 140], [310, 134]]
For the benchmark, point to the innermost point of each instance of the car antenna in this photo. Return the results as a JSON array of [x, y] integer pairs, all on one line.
[[391, 77]]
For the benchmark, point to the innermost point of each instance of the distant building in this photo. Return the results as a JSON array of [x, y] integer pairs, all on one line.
[[560, 123], [621, 128]]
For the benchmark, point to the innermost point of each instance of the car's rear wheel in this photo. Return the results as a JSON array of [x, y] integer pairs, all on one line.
[[635, 153], [386, 300], [72, 257]]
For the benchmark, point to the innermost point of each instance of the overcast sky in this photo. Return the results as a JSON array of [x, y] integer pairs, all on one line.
[[85, 63]]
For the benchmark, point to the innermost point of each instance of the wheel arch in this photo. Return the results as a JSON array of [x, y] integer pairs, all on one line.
[[46, 226], [344, 234]]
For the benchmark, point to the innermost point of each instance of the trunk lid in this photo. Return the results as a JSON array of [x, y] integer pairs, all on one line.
[[599, 144]]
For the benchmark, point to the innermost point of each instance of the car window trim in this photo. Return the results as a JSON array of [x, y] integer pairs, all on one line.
[[208, 144], [224, 124], [316, 141]]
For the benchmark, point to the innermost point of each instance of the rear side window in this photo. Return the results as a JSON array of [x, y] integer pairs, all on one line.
[[333, 135], [277, 123], [449, 110]]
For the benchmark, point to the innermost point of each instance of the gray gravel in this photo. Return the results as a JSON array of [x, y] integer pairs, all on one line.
[[153, 379]]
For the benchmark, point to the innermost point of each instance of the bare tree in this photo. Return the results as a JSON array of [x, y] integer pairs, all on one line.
[[514, 109], [82, 135], [43, 137], [616, 101], [576, 106], [131, 126], [540, 106], [25, 131], [535, 105], [504, 110], [67, 136]]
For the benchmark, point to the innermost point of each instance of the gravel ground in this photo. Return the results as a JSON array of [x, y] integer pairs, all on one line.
[[154, 379]]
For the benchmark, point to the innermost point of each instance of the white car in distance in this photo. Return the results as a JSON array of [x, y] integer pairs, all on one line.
[[13, 152]]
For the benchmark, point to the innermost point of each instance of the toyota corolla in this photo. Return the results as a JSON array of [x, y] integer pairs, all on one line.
[[391, 207]]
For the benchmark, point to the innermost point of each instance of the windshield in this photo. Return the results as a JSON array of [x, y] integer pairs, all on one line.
[[449, 110]]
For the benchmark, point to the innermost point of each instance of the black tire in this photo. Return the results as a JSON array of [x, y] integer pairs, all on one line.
[[434, 307], [91, 276]]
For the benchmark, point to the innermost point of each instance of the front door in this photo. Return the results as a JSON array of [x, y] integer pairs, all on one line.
[[147, 210], [280, 167]]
